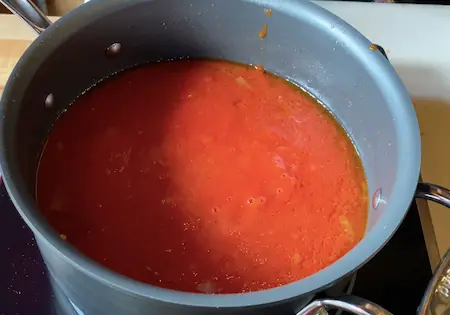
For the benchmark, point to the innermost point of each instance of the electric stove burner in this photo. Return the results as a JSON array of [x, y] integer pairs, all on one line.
[[27, 289]]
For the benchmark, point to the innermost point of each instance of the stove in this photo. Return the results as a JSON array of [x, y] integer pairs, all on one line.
[[395, 278]]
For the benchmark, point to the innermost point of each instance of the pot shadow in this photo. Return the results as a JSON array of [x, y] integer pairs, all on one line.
[[107, 187]]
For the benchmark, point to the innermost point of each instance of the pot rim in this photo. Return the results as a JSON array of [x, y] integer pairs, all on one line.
[[403, 189]]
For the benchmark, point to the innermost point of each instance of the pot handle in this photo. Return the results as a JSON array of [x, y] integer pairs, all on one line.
[[351, 304], [434, 193], [29, 12], [436, 300]]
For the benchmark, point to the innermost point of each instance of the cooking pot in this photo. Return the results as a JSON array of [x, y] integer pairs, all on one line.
[[305, 44]]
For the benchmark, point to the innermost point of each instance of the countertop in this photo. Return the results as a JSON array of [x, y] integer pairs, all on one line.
[[410, 35]]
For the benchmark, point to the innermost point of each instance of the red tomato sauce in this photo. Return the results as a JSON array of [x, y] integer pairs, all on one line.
[[203, 176]]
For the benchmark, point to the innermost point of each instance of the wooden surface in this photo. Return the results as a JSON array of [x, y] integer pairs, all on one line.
[[54, 7], [15, 37], [9, 54], [61, 7], [3, 9], [412, 34]]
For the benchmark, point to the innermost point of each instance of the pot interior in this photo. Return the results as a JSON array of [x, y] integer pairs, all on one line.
[[304, 44]]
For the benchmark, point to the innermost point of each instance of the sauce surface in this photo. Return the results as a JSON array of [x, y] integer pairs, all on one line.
[[203, 176]]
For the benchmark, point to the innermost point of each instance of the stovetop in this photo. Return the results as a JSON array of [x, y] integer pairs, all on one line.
[[395, 278]]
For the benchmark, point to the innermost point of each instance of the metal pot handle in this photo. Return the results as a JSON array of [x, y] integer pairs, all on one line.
[[436, 300], [29, 12], [350, 303]]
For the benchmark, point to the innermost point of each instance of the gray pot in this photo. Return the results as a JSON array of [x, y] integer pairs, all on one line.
[[305, 44]]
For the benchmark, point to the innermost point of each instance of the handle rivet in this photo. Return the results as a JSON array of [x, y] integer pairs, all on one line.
[[49, 101], [113, 50], [376, 199]]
